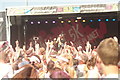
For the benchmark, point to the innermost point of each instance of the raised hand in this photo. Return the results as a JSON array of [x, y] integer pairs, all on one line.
[[115, 38]]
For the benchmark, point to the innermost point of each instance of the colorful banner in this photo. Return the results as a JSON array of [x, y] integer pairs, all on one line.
[[43, 10]]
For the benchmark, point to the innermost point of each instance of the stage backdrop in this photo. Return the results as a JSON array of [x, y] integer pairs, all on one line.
[[77, 31]]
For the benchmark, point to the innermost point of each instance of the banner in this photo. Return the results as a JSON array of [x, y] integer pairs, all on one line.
[[60, 9]]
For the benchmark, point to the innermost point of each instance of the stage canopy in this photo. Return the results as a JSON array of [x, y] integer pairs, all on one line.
[[61, 9]]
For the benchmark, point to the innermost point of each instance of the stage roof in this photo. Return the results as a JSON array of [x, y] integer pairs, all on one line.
[[61, 9]]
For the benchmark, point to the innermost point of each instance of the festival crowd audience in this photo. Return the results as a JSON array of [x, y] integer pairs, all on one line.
[[59, 60]]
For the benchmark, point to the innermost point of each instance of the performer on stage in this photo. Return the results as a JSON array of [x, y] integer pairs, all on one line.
[[17, 50], [30, 49], [61, 40]]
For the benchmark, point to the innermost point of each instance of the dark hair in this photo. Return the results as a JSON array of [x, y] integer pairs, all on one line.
[[28, 72], [91, 62], [59, 74], [50, 65], [15, 66], [75, 62]]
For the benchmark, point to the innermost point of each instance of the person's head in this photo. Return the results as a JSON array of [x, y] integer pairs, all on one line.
[[75, 62], [91, 63], [108, 52], [58, 74], [24, 47], [42, 50], [4, 57], [17, 42], [31, 44], [50, 65], [28, 71], [15, 66], [35, 59], [5, 52], [84, 58], [55, 39], [63, 64]]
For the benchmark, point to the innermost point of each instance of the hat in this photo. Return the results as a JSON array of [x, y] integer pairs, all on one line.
[[62, 58], [34, 58]]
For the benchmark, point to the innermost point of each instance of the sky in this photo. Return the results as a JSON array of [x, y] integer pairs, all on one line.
[[14, 3]]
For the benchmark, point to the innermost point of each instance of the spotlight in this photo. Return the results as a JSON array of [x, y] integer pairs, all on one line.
[[46, 21], [60, 17], [76, 20], [53, 21], [83, 20], [113, 19], [107, 19], [99, 19], [91, 20], [79, 18], [62, 21], [69, 21], [26, 20], [38, 22], [32, 23]]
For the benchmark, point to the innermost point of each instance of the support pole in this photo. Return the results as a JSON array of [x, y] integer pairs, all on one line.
[[26, 2], [8, 24]]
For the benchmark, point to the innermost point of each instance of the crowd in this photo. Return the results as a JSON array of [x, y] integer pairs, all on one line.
[[59, 60]]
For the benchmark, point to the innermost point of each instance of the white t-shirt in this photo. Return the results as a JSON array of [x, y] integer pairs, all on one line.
[[6, 71], [93, 73], [111, 76], [81, 67], [47, 75]]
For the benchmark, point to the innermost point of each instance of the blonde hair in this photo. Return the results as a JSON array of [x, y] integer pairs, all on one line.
[[4, 56], [108, 51]]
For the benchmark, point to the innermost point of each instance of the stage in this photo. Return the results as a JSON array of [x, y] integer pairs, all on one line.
[[79, 26]]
